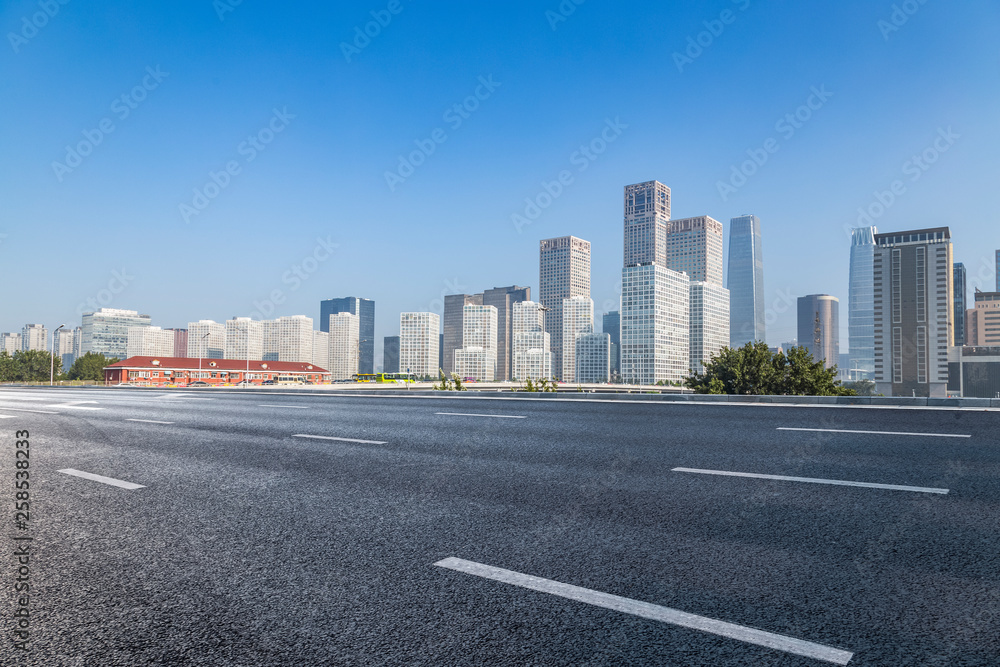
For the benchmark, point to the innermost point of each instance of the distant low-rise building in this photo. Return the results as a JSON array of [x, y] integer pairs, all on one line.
[[146, 370]]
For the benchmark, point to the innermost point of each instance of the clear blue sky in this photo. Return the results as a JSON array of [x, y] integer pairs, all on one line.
[[447, 227]]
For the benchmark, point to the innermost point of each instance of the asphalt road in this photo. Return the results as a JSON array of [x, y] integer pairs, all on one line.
[[247, 545]]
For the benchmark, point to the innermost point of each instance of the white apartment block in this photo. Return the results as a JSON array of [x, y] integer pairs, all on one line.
[[694, 247], [289, 339], [593, 357], [709, 322], [345, 341], [419, 343], [477, 358], [149, 342], [105, 331], [11, 342], [578, 320], [244, 339], [321, 349], [34, 337], [655, 320], [531, 358], [563, 272], [64, 347], [206, 339]]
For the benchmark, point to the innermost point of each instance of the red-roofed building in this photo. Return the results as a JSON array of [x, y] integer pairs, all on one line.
[[181, 371]]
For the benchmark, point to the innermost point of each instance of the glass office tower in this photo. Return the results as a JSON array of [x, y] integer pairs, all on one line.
[[746, 281], [861, 305]]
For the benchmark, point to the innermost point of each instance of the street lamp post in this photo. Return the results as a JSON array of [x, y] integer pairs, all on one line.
[[52, 356]]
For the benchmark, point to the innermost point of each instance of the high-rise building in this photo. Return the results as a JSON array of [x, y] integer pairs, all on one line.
[[694, 246], [478, 356], [149, 342], [746, 281], [914, 306], [206, 340], [454, 317], [180, 343], [861, 304], [655, 317], [64, 347], [11, 343], [819, 327], [532, 359], [578, 319], [998, 270], [709, 322], [612, 325], [105, 331], [564, 272], [365, 310], [289, 339], [647, 210], [419, 340], [244, 339], [983, 321], [390, 354], [321, 349], [503, 299], [593, 358], [34, 337], [345, 341], [961, 303]]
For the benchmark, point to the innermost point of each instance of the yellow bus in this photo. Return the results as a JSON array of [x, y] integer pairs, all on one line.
[[384, 378]]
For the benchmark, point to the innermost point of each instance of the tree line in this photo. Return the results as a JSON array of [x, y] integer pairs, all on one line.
[[35, 366]]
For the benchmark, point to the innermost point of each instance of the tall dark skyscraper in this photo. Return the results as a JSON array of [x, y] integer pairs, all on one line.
[[451, 325], [390, 354], [612, 325], [746, 281], [365, 310], [503, 299], [861, 305], [960, 302]]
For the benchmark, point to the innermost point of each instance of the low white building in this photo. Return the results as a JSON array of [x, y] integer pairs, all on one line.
[[577, 320], [531, 356]]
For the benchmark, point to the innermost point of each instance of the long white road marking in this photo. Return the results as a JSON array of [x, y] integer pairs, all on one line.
[[102, 479], [651, 611], [6, 416], [75, 405], [147, 421], [330, 437], [814, 480], [844, 430], [290, 407], [464, 414], [43, 412]]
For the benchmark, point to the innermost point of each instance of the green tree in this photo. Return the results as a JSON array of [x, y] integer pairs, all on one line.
[[6, 367], [90, 367], [33, 366], [754, 370]]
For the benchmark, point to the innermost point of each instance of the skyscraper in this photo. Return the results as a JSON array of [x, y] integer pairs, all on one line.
[[647, 210], [477, 357], [532, 358], [244, 339], [861, 304], [345, 342], [611, 324], [958, 279], [454, 317], [419, 341], [819, 327], [105, 331], [655, 317], [983, 321], [914, 304], [365, 310], [694, 246], [11, 343], [709, 322], [578, 319], [321, 349], [390, 354], [564, 272], [746, 281], [503, 299], [64, 347]]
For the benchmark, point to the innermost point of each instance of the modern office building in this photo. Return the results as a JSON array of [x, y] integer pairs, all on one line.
[[454, 318], [244, 339], [390, 354], [289, 339], [503, 299], [563, 272], [321, 349], [914, 306], [206, 339], [611, 323], [180, 343], [532, 359], [419, 336], [655, 319], [694, 247], [34, 337], [578, 320], [961, 303], [861, 304], [64, 347], [477, 358], [149, 342], [365, 310], [593, 358], [819, 327], [647, 211], [345, 345], [709, 322], [11, 342], [746, 281], [982, 322], [105, 331]]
